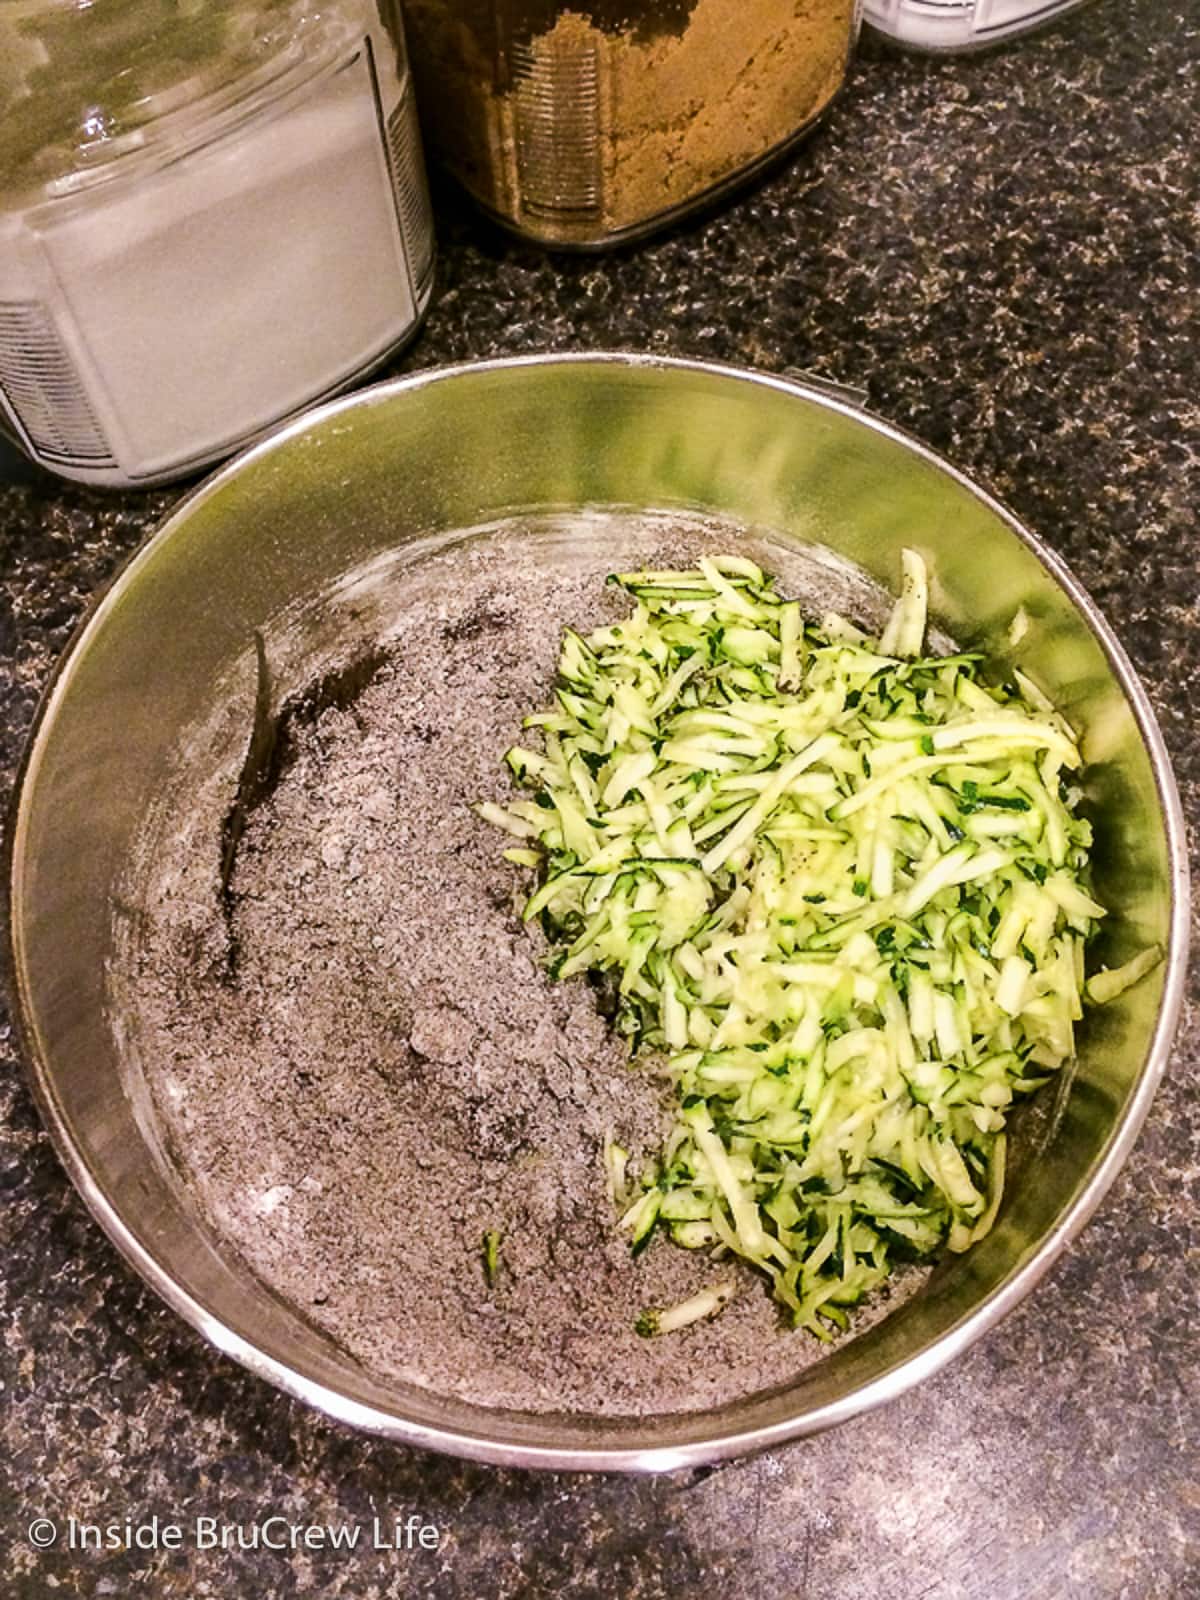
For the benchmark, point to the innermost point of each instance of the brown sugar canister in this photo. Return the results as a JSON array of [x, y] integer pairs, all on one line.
[[593, 122]]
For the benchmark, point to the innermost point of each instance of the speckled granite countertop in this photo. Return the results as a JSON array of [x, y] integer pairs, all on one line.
[[1003, 252]]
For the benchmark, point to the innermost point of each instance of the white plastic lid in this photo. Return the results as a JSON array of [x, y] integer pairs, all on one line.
[[960, 24]]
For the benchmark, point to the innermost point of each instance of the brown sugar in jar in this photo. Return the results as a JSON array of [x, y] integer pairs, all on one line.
[[589, 124]]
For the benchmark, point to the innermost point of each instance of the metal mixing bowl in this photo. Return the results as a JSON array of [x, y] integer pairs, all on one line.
[[454, 449]]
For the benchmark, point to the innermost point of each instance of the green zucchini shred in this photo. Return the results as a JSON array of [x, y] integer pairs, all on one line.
[[490, 1257], [707, 1303], [842, 888]]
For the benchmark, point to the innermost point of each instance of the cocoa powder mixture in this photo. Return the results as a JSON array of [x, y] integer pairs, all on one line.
[[357, 1064], [594, 118]]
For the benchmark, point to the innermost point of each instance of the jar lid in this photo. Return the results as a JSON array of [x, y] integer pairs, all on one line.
[[87, 83], [960, 25]]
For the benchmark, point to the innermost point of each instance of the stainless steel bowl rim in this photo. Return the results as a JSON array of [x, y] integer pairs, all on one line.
[[732, 1442]]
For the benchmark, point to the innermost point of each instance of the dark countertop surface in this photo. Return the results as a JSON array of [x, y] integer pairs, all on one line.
[[1002, 251]]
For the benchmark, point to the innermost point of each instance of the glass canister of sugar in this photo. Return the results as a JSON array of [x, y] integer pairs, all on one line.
[[212, 214], [588, 123]]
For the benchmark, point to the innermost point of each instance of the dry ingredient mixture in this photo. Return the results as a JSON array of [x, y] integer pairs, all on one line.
[[358, 1066], [588, 122]]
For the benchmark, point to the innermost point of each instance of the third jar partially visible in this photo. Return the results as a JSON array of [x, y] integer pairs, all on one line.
[[593, 122]]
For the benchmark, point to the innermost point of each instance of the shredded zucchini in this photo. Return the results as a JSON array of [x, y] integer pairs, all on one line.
[[842, 886], [705, 1304], [490, 1255]]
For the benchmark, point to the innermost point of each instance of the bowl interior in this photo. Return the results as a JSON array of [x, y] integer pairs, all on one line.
[[361, 482]]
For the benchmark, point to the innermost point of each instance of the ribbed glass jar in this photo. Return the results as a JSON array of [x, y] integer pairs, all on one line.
[[591, 122], [211, 215]]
